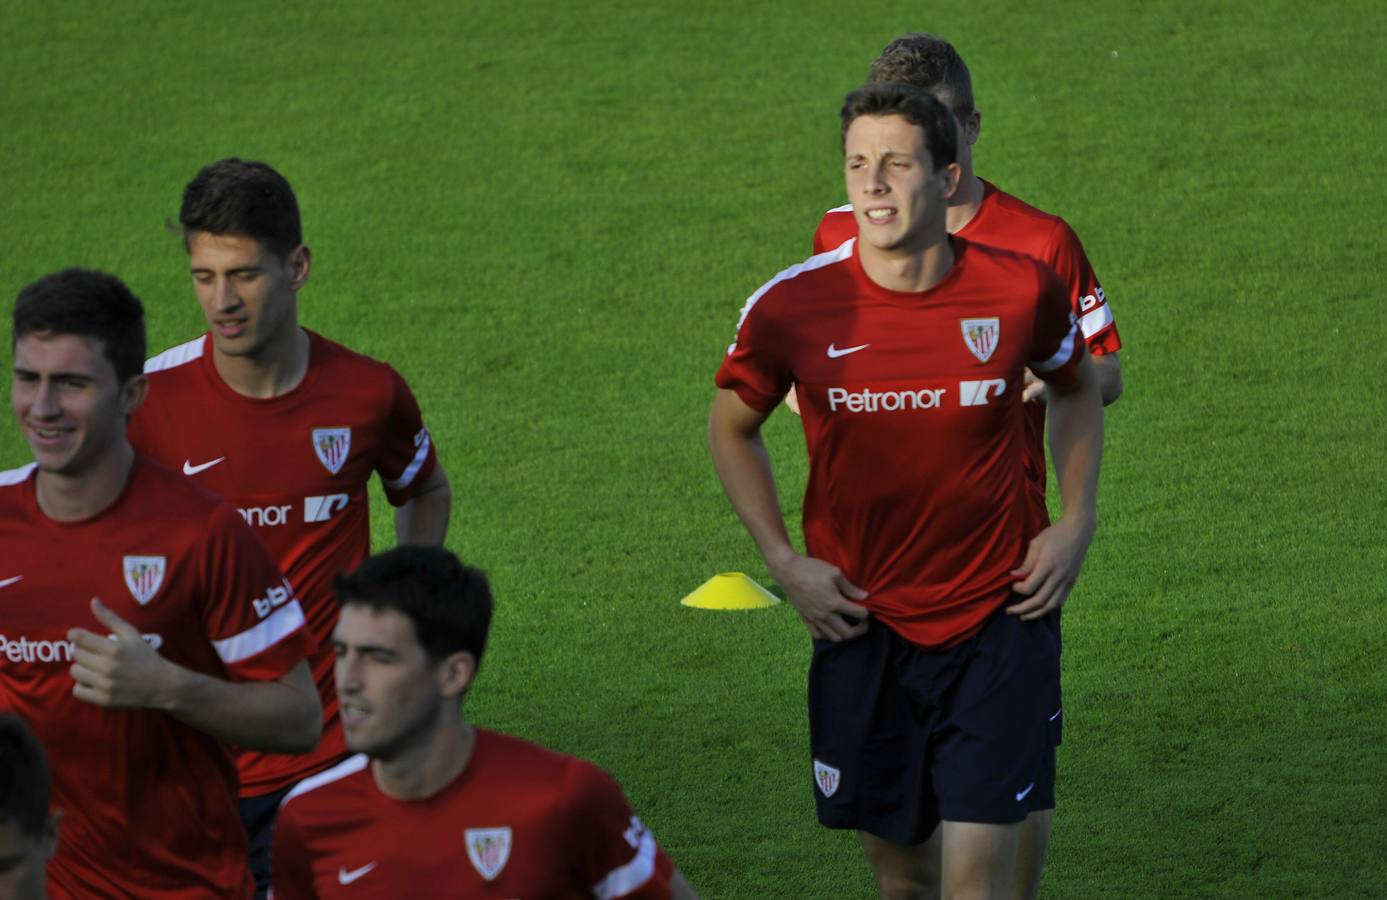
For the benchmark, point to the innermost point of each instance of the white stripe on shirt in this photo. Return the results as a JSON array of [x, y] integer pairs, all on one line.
[[176, 356], [349, 766], [1063, 354], [838, 254], [1096, 320], [413, 468], [635, 873], [261, 637]]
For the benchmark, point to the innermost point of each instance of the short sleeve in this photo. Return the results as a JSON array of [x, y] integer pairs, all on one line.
[[757, 363], [1057, 345], [407, 454], [614, 854], [1087, 300], [251, 614]]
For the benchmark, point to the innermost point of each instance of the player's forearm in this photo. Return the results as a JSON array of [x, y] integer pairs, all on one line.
[[1076, 445], [744, 467], [283, 716], [423, 519]]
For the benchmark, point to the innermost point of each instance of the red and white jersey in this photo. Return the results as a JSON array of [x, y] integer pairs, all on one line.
[[149, 804], [912, 413], [1009, 223], [520, 821], [297, 467]]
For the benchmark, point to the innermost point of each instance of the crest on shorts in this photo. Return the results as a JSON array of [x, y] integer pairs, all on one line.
[[488, 848], [144, 575], [332, 446], [981, 336], [827, 778]]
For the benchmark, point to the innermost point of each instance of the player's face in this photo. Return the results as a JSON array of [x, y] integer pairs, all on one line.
[[248, 294], [899, 201], [68, 402], [390, 691], [23, 858]]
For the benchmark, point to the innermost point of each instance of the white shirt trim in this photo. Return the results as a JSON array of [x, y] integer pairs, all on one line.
[[17, 476], [841, 252], [1096, 320], [262, 636], [1064, 354], [635, 873], [413, 468], [176, 356], [349, 766]]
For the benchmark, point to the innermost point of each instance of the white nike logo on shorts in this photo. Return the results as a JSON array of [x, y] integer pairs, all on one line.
[[190, 469], [1021, 795], [345, 877]]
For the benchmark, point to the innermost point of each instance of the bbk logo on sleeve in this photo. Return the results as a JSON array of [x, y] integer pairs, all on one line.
[[489, 849], [827, 778], [332, 446]]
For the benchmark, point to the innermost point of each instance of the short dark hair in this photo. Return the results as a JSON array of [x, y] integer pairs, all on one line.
[[239, 197], [919, 107], [449, 603], [930, 62], [25, 789], [90, 304]]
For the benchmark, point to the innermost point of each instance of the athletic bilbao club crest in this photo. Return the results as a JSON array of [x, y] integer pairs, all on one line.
[[144, 575], [981, 336], [332, 446], [488, 848], [826, 777]]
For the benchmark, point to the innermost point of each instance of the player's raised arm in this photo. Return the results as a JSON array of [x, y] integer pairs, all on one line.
[[818, 591]]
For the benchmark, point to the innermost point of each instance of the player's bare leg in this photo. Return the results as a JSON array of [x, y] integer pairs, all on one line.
[[903, 872], [1030, 854], [978, 862]]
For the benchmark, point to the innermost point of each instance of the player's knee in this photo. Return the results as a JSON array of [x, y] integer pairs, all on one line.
[[906, 886]]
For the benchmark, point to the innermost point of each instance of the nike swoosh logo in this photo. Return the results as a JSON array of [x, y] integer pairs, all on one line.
[[1021, 795], [834, 352], [1057, 714], [190, 469], [9, 581], [345, 877]]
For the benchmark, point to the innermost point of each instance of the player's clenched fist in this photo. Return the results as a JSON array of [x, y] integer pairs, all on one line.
[[120, 671]]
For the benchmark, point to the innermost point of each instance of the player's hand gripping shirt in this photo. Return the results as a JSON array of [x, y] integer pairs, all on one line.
[[297, 467], [520, 821], [149, 803], [912, 413], [1006, 222]]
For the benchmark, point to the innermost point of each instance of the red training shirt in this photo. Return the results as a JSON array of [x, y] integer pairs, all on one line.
[[297, 468], [912, 413], [519, 821], [149, 803]]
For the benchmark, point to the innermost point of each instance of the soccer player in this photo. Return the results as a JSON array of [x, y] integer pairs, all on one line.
[[925, 578], [28, 831], [979, 211], [145, 627], [431, 800], [286, 425]]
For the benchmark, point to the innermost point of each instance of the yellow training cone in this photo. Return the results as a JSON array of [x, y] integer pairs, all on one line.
[[730, 590]]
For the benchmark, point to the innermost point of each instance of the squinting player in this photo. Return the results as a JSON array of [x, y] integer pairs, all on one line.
[[926, 578], [431, 805], [286, 425], [979, 211], [28, 829], [145, 628]]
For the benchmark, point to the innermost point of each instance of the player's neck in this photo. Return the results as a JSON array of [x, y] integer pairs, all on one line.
[[429, 766], [66, 498], [966, 201], [277, 369], [908, 269]]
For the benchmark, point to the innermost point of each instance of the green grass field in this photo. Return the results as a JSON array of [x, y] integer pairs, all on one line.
[[547, 218]]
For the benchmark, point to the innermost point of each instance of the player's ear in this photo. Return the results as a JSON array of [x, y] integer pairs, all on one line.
[[972, 127], [949, 177], [132, 394], [456, 672], [50, 833], [300, 264]]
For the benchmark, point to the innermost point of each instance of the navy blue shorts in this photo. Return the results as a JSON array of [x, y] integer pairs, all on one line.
[[258, 816], [903, 737]]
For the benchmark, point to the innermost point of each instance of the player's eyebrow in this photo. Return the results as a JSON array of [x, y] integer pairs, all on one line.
[[55, 376]]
